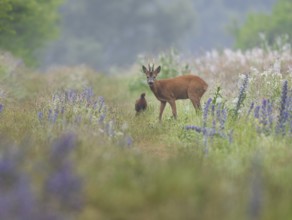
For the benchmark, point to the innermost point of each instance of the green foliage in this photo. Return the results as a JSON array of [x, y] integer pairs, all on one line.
[[25, 26], [278, 23]]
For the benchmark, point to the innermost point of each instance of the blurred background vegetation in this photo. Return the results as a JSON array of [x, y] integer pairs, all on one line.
[[104, 34]]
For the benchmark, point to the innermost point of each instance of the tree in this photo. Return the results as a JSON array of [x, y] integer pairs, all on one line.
[[25, 26], [103, 33], [278, 23]]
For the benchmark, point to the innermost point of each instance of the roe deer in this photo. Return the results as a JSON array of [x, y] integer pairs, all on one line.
[[169, 90], [141, 104]]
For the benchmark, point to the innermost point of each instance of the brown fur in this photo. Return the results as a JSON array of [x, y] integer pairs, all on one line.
[[169, 90], [141, 104]]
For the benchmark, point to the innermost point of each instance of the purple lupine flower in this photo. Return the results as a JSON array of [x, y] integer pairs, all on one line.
[[40, 116], [270, 114], [250, 109], [223, 118], [70, 96], [101, 118], [213, 110], [213, 129], [205, 114], [50, 115], [129, 141], [62, 187], [95, 104], [66, 187], [195, 128], [264, 115], [101, 103], [1, 107], [55, 116], [241, 96], [17, 200], [218, 112], [88, 93], [257, 112], [283, 115], [62, 147]]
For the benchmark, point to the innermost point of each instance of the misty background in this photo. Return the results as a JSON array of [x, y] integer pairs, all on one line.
[[102, 33]]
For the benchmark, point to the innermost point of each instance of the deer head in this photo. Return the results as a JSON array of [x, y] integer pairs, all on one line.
[[151, 73]]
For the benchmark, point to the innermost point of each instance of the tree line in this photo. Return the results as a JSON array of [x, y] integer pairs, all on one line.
[[104, 33]]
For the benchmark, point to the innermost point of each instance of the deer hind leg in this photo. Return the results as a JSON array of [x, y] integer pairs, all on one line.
[[196, 103], [162, 106], [173, 107]]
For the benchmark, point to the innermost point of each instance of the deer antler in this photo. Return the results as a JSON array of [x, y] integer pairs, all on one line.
[[153, 68]]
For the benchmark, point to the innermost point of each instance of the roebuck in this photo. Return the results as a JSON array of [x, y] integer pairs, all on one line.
[[169, 90]]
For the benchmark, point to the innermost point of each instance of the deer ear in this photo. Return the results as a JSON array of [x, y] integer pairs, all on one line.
[[157, 70], [144, 69]]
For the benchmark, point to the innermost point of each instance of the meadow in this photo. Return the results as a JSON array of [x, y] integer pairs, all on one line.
[[72, 147]]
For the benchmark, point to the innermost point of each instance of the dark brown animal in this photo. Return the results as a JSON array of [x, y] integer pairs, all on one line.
[[169, 90], [141, 104]]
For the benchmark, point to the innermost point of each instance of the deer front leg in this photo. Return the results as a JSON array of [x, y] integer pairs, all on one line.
[[173, 107], [162, 106]]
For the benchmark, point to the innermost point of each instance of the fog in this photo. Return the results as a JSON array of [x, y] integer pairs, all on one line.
[[103, 33]]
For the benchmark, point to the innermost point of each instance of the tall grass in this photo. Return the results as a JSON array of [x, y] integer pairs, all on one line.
[[72, 147]]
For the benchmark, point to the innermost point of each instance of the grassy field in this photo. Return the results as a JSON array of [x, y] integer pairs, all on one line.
[[72, 147]]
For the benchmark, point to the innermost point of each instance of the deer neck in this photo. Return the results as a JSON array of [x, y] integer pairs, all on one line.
[[155, 88]]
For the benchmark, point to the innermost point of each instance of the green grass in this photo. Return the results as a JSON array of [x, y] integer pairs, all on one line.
[[165, 174]]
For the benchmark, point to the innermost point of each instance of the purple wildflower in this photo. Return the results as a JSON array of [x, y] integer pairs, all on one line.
[[213, 110], [50, 115], [195, 128], [40, 116], [70, 96], [223, 119], [101, 103], [62, 184], [205, 114], [241, 96], [88, 93], [129, 140], [17, 200], [66, 187], [257, 112], [101, 118], [283, 115], [270, 113], [1, 107], [55, 116], [264, 115], [62, 147], [250, 109]]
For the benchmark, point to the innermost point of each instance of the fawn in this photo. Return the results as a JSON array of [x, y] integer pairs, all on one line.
[[169, 90], [141, 104]]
